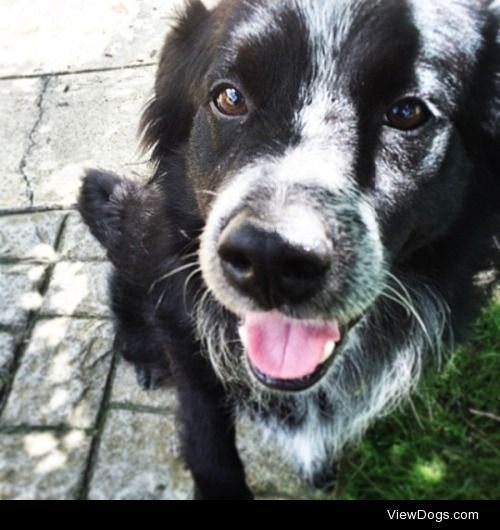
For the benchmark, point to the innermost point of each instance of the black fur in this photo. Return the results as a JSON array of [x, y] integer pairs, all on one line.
[[152, 231]]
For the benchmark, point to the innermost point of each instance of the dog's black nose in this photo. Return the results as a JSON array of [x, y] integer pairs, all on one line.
[[273, 271]]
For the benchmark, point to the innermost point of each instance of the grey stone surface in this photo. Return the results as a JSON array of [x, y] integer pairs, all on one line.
[[6, 356], [78, 288], [30, 237], [139, 458], [89, 120], [78, 244], [18, 115], [62, 376], [268, 473], [42, 465], [127, 391], [94, 34], [19, 285]]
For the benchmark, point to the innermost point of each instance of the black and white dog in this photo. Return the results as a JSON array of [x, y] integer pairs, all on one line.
[[326, 191]]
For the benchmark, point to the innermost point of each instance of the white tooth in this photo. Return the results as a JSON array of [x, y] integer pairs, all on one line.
[[328, 351], [243, 335]]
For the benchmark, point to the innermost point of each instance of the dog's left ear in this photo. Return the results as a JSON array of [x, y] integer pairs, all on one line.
[[489, 92], [167, 120]]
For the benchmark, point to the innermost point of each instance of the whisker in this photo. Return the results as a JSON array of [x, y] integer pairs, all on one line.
[[408, 302], [172, 273], [191, 255], [208, 192], [398, 299], [186, 284]]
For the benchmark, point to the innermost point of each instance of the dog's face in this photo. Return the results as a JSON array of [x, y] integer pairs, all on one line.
[[326, 144]]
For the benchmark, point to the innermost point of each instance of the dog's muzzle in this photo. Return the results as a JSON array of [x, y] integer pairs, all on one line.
[[280, 265], [269, 268]]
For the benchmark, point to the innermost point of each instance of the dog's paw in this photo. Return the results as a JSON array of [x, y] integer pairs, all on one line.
[[152, 377], [151, 367]]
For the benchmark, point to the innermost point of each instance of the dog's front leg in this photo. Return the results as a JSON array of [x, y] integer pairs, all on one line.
[[208, 433]]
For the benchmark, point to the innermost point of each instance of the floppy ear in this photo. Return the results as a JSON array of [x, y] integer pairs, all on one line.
[[112, 206], [491, 114], [96, 207], [168, 117], [491, 129]]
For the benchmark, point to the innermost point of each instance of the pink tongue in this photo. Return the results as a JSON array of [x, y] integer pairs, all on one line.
[[283, 348]]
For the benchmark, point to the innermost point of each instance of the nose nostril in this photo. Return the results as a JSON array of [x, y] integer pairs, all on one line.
[[259, 263], [237, 260]]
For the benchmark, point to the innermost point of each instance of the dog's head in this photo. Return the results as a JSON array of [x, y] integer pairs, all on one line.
[[327, 144]]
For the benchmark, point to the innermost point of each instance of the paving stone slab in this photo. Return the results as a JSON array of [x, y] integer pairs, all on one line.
[[139, 458], [6, 356], [110, 34], [78, 244], [19, 284], [62, 375], [127, 391], [30, 236], [89, 120], [269, 474], [42, 465], [18, 114], [78, 288]]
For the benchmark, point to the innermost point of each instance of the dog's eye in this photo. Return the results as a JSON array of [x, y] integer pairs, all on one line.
[[230, 101], [408, 114]]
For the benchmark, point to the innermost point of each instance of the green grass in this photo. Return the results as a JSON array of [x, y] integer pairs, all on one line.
[[437, 447]]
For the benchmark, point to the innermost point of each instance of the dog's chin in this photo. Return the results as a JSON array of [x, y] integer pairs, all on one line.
[[290, 355], [292, 385]]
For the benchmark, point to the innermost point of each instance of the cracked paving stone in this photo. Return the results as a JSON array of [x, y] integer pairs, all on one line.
[[78, 244], [269, 474], [127, 390], [139, 458], [76, 133], [110, 34], [42, 465], [6, 356], [19, 286], [62, 375], [18, 114], [78, 288], [30, 236]]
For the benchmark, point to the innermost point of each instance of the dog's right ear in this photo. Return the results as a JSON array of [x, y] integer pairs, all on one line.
[[168, 117]]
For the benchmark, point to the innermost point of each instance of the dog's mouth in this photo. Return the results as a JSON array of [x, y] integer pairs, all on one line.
[[290, 355]]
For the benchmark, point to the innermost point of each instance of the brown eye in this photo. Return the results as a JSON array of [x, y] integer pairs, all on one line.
[[408, 114], [230, 102]]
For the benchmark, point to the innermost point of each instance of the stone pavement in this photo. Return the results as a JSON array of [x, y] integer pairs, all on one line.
[[73, 423]]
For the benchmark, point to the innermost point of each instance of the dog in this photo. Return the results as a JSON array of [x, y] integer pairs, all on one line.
[[326, 190]]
